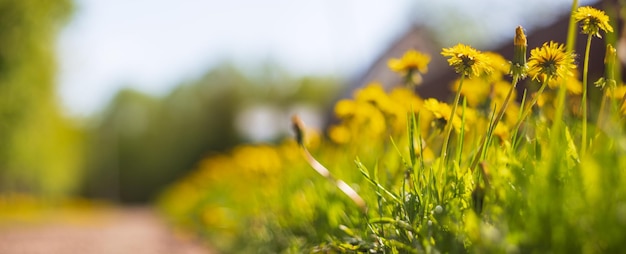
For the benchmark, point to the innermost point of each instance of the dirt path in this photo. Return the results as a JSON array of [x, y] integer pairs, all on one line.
[[117, 231]]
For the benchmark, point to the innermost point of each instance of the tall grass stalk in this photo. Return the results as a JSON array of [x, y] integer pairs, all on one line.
[[583, 105], [561, 94], [449, 125]]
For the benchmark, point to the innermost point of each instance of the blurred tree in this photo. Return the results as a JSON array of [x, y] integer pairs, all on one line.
[[39, 149], [143, 143]]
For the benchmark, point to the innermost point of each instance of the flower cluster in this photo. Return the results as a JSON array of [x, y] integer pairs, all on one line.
[[481, 174], [372, 113]]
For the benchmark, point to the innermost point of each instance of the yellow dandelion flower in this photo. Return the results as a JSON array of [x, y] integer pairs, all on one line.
[[410, 61], [550, 61], [592, 21], [467, 61]]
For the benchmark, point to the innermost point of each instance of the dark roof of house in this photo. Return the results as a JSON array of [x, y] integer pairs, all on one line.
[[436, 83]]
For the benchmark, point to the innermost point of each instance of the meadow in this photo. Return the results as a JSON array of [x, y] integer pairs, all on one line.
[[491, 170]]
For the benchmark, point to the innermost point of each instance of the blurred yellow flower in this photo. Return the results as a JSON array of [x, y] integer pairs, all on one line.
[[500, 65], [410, 61], [407, 98], [360, 116], [345, 108], [259, 160], [499, 92], [441, 110], [550, 61], [617, 93], [393, 105], [373, 92], [501, 89], [572, 84], [512, 114], [544, 99], [427, 153], [592, 21], [475, 90], [467, 61], [339, 134], [501, 131]]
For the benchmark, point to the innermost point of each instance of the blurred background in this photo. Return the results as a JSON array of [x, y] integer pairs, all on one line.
[[116, 99]]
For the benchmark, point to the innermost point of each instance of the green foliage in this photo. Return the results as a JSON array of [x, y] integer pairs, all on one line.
[[40, 150], [142, 143]]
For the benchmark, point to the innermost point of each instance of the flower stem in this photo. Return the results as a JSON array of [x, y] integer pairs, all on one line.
[[530, 106], [449, 125], [485, 139], [298, 127], [584, 99], [601, 112], [561, 94]]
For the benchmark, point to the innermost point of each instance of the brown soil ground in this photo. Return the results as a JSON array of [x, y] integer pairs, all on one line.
[[115, 231]]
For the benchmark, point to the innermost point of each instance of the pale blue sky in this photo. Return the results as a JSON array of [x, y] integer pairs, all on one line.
[[153, 45]]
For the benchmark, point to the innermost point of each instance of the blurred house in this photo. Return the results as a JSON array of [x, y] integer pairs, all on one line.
[[436, 83]]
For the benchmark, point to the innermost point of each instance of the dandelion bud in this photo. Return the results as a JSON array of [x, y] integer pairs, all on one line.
[[609, 61], [610, 55], [298, 127], [609, 68], [518, 65]]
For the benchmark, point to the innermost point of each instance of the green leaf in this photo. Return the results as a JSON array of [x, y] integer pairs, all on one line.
[[571, 147]]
